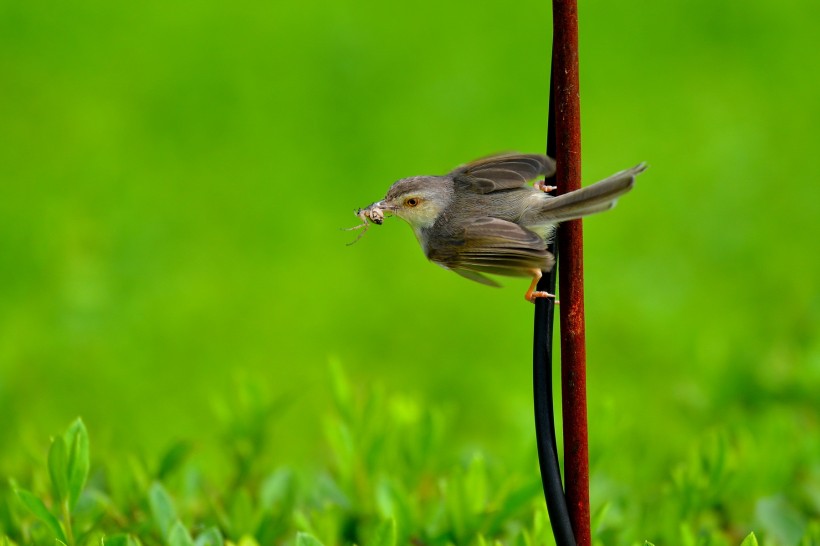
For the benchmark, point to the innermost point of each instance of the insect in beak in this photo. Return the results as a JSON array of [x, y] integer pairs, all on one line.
[[374, 213]]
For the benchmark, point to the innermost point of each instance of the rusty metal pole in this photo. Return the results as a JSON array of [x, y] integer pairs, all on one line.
[[571, 272]]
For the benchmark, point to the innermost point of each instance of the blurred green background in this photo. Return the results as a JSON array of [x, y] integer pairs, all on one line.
[[174, 177]]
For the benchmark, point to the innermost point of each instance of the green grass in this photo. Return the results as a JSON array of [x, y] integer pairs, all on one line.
[[393, 477], [173, 178]]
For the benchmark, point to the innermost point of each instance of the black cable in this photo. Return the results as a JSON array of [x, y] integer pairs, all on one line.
[[542, 387]]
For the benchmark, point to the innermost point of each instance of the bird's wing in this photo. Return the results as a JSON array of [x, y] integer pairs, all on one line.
[[502, 172], [498, 247], [477, 277]]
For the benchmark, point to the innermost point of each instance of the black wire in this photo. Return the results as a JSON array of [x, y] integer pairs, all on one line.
[[542, 387]]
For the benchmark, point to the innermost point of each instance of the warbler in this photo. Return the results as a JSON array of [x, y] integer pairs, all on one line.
[[484, 218]]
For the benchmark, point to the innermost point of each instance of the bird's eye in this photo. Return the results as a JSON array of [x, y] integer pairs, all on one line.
[[412, 201]]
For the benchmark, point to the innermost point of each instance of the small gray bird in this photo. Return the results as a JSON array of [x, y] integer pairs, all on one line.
[[483, 217]]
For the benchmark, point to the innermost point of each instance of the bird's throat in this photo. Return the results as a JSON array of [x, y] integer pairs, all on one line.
[[422, 235]]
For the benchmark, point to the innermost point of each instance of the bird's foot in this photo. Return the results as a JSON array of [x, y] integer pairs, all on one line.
[[543, 186], [531, 296]]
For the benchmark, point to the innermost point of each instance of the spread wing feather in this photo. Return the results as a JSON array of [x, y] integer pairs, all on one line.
[[502, 172], [477, 277], [498, 247]]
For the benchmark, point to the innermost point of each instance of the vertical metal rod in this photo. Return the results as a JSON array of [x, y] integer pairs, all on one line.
[[571, 273]]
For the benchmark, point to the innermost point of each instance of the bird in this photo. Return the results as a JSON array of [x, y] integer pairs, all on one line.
[[484, 218]]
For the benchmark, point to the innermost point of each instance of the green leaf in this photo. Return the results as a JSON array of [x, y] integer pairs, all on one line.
[[515, 503], [210, 537], [812, 536], [340, 386], [523, 539], [687, 536], [179, 535], [42, 513], [76, 440], [277, 496], [750, 540], [58, 469], [780, 519], [392, 501], [162, 508], [304, 539], [475, 484], [385, 534], [241, 513], [121, 540], [173, 459], [599, 516], [342, 445], [278, 488]]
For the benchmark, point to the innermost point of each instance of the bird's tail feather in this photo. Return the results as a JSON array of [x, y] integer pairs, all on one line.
[[590, 199]]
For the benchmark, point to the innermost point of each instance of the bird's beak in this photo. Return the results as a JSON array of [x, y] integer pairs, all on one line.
[[382, 206]]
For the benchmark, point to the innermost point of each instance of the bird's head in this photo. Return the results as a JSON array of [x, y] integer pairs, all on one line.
[[418, 200]]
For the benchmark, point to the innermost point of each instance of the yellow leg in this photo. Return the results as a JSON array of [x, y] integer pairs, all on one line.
[[532, 293]]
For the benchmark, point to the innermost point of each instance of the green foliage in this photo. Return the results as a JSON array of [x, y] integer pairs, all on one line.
[[179, 535], [384, 534], [173, 458], [68, 467], [750, 540], [172, 181], [210, 537], [77, 464], [162, 509], [121, 540], [392, 480], [304, 539], [42, 513], [57, 468]]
